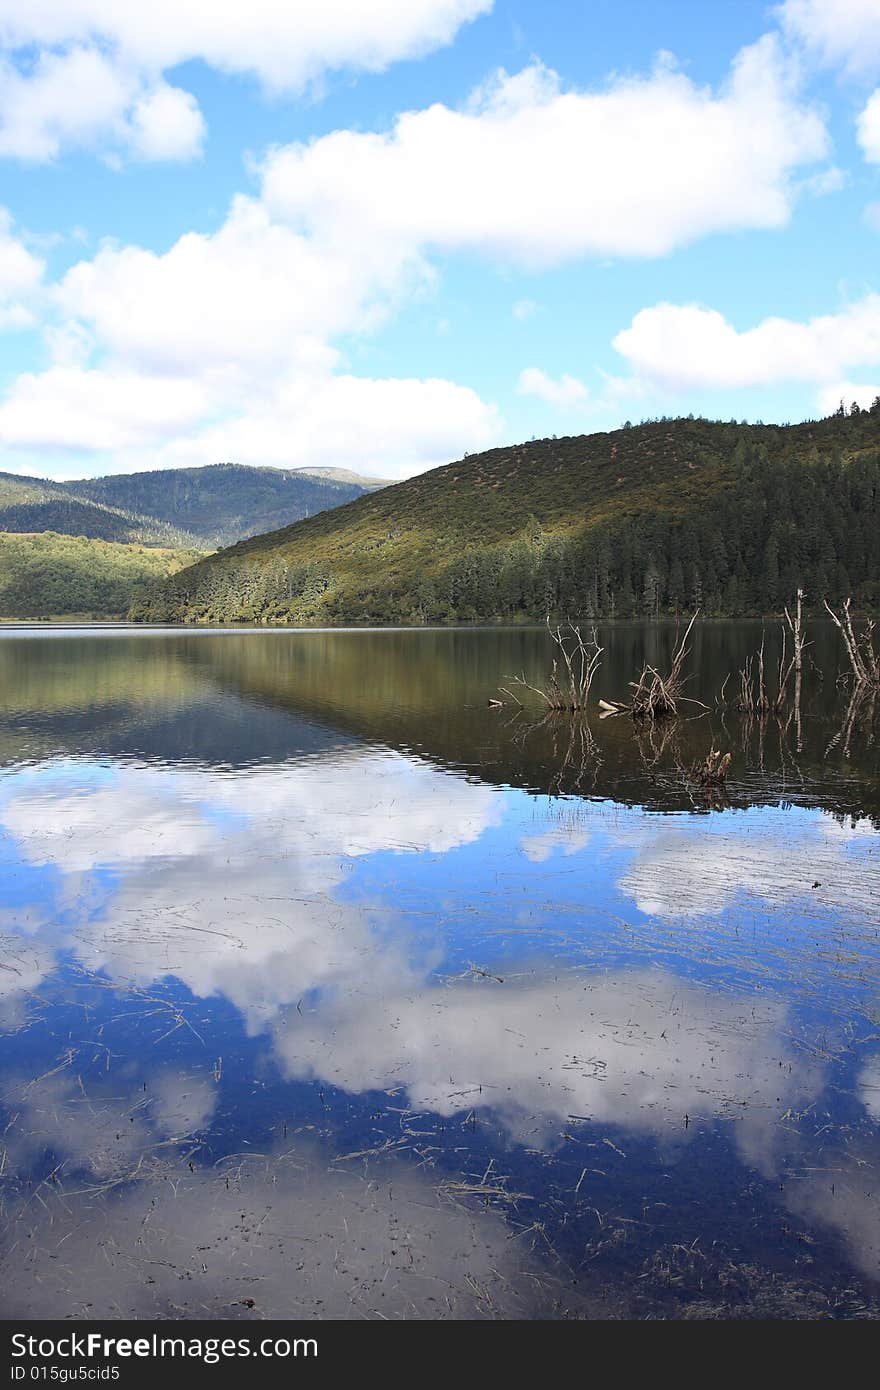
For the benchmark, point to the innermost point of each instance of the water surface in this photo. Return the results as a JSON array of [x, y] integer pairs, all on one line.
[[327, 990]]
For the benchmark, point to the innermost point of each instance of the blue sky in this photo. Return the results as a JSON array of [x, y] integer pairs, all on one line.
[[378, 237]]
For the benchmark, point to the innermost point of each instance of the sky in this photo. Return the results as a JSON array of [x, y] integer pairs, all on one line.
[[379, 236]]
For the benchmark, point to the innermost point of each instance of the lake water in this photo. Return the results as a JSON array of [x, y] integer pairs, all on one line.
[[327, 990]]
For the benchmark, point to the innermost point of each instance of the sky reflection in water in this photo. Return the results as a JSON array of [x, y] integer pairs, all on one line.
[[353, 1031]]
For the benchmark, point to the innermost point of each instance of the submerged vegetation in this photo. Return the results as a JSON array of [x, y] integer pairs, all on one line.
[[657, 699], [657, 519]]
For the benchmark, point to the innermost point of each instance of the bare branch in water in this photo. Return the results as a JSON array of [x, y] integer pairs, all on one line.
[[863, 659], [581, 660]]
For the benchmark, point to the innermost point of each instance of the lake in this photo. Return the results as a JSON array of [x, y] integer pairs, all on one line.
[[327, 990]]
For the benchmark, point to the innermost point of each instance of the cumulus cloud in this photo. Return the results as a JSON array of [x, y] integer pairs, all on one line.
[[166, 123], [566, 392], [685, 346], [68, 408], [21, 273], [538, 175], [390, 428], [251, 295], [868, 129], [251, 318], [88, 73], [836, 32], [862, 393], [286, 46], [222, 347], [83, 99]]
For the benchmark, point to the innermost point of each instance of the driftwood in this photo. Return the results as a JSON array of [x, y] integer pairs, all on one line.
[[581, 659], [863, 659], [613, 707], [656, 696]]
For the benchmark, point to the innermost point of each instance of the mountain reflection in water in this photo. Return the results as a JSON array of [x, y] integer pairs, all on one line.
[[327, 990]]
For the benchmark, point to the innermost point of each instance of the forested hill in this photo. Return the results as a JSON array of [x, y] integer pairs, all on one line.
[[197, 507], [47, 575], [224, 502], [662, 517]]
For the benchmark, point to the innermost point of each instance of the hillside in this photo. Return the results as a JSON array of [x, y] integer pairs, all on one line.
[[30, 505], [200, 508], [220, 503], [49, 575], [657, 518]]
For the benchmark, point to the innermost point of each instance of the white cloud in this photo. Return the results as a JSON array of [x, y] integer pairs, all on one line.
[[70, 98], [863, 394], [389, 428], [84, 99], [249, 319], [222, 348], [836, 32], [251, 296], [88, 73], [20, 270], [686, 346], [537, 175], [167, 124], [524, 309], [868, 127], [285, 45], [566, 393], [69, 408]]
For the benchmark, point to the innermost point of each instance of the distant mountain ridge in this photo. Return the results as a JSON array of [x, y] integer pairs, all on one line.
[[199, 508], [662, 517]]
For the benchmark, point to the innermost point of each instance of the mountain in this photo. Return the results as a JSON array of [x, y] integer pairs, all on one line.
[[662, 517], [345, 475], [30, 505], [201, 508], [223, 502]]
